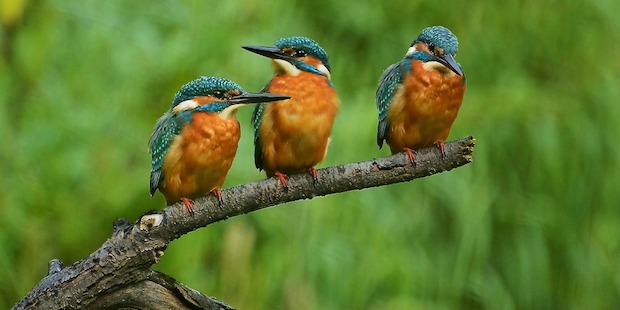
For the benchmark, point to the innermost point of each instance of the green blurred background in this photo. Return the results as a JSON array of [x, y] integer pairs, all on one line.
[[533, 223]]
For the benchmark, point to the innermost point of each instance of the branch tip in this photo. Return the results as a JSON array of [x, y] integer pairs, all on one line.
[[54, 266]]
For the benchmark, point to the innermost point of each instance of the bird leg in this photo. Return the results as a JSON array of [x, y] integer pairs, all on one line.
[[218, 193], [282, 178], [410, 154], [442, 147], [188, 205], [312, 172]]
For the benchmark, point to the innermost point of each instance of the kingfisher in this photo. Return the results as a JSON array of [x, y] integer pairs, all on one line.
[[193, 145], [419, 97], [292, 136]]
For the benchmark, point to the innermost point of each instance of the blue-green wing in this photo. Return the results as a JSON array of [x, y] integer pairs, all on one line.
[[257, 120], [165, 130], [390, 80]]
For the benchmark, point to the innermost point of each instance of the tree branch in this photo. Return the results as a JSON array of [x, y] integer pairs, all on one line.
[[119, 274]]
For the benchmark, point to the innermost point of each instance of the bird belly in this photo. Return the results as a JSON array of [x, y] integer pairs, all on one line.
[[200, 157], [424, 109], [294, 134]]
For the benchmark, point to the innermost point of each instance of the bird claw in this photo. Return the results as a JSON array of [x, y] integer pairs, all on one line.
[[313, 173], [189, 205], [411, 154], [282, 178], [218, 193], [442, 147]]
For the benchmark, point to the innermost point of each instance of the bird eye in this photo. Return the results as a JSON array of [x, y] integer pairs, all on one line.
[[431, 47], [218, 94], [299, 53]]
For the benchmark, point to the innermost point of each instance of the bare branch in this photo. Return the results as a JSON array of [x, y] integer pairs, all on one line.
[[119, 272]]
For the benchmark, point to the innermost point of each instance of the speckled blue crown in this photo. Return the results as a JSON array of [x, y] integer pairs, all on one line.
[[441, 37], [203, 86], [306, 44]]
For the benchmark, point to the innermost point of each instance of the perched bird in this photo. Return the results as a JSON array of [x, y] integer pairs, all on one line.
[[292, 136], [419, 97], [193, 145]]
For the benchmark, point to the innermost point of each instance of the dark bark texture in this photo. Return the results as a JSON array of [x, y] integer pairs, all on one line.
[[119, 274]]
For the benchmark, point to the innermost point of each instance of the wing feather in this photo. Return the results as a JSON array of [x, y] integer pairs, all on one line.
[[257, 120], [165, 131], [390, 81]]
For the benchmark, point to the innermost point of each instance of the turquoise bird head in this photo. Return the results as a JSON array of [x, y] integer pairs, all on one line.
[[436, 43], [295, 53], [220, 93]]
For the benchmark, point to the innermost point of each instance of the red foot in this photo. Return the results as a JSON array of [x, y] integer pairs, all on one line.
[[218, 193], [189, 205], [442, 147], [410, 154], [282, 178], [312, 172]]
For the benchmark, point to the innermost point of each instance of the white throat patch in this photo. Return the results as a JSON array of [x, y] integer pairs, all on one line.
[[437, 66], [229, 112], [285, 67], [324, 70]]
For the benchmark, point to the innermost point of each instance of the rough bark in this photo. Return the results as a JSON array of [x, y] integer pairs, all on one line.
[[119, 274]]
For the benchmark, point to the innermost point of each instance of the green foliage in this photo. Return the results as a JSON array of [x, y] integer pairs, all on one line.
[[532, 223]]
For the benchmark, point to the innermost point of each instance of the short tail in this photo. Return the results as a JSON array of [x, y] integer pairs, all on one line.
[[154, 184]]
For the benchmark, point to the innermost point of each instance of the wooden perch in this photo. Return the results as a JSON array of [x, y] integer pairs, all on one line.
[[119, 273]]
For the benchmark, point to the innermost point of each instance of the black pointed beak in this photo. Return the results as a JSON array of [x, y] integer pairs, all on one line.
[[268, 51], [245, 98], [449, 61]]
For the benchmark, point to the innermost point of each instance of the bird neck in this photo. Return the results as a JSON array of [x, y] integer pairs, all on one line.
[[295, 66], [229, 112], [420, 55]]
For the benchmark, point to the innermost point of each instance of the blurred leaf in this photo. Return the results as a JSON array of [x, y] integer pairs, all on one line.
[[11, 11]]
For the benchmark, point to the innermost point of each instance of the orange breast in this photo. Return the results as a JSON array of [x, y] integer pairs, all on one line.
[[424, 108], [294, 133], [200, 157]]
